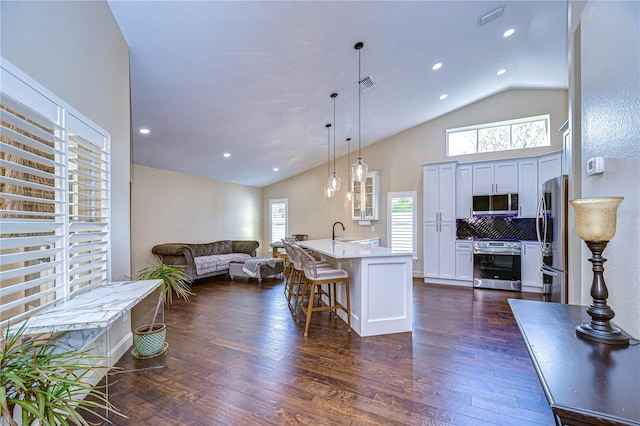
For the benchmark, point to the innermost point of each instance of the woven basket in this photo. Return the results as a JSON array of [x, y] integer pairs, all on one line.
[[149, 342]]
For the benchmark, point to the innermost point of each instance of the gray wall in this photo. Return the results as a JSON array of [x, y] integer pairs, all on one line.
[[606, 83]]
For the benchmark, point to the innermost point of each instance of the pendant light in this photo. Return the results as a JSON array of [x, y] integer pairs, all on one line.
[[360, 168], [349, 194], [334, 181], [328, 191]]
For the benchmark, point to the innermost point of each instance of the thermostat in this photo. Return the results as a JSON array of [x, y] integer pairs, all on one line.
[[595, 166]]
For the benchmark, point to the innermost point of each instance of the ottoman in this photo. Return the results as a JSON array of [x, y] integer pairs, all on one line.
[[259, 268]]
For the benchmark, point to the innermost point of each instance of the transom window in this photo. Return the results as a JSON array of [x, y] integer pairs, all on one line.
[[522, 133]]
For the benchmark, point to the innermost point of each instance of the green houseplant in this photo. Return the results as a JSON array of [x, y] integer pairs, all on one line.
[[149, 340], [48, 383]]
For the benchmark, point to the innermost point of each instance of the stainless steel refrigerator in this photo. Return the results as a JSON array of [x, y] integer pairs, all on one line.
[[551, 226]]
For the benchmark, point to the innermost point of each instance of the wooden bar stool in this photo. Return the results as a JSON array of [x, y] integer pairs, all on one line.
[[315, 277]]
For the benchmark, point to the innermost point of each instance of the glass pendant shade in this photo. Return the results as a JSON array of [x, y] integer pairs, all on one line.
[[359, 170], [334, 182], [328, 192], [596, 217], [349, 195]]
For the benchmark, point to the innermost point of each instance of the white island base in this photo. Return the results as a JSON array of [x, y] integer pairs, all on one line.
[[381, 283]]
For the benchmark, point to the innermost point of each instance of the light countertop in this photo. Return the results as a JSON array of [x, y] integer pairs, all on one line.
[[346, 250], [97, 308]]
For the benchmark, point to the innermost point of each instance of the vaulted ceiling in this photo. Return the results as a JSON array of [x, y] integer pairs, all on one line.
[[253, 78]]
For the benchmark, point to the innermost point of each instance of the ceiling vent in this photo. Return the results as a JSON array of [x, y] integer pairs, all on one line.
[[491, 16], [366, 84]]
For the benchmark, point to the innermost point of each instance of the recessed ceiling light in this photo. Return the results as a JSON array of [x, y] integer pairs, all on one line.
[[444, 96], [145, 131], [502, 71], [275, 169], [226, 155], [437, 66], [509, 32]]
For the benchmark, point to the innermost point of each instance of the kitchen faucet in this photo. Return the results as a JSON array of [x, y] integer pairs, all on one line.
[[333, 230]]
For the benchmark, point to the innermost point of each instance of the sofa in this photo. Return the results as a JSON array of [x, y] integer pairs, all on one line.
[[202, 260]]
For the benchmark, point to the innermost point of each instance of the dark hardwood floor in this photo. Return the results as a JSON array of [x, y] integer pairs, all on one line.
[[236, 357]]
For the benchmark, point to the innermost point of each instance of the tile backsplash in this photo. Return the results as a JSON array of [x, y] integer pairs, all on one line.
[[497, 227]]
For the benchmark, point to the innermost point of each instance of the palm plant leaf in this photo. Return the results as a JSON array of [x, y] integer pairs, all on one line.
[[174, 280], [48, 382]]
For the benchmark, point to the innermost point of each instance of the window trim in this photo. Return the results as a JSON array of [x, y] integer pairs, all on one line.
[[544, 117], [404, 194], [273, 201]]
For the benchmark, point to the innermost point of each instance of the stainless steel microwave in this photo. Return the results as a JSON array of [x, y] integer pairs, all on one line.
[[495, 204]]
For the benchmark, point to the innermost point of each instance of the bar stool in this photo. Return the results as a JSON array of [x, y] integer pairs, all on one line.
[[315, 277]]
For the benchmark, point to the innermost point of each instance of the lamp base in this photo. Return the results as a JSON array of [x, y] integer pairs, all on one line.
[[609, 335]]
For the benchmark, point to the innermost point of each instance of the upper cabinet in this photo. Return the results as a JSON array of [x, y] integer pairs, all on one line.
[[464, 191], [527, 187], [365, 204], [549, 167], [495, 177], [439, 192]]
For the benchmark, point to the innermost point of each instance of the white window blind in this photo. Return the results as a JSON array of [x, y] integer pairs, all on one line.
[[402, 232], [88, 206], [278, 222], [54, 180]]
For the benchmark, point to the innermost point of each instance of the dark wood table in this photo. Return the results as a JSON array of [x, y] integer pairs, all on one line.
[[586, 383]]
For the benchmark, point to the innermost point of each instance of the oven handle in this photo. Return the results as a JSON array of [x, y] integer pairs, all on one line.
[[514, 252]]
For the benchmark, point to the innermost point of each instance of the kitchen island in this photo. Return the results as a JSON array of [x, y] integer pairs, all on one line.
[[381, 282]]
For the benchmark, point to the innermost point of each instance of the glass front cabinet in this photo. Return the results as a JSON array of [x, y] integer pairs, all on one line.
[[366, 200]]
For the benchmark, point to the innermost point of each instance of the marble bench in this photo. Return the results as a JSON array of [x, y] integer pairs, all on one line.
[[263, 267]]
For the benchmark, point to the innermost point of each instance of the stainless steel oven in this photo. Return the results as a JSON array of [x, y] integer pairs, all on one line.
[[496, 264]]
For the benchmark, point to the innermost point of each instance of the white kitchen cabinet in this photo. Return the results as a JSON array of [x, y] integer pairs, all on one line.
[[464, 260], [365, 204], [495, 177], [439, 250], [549, 167], [464, 191], [531, 260], [527, 187], [439, 198]]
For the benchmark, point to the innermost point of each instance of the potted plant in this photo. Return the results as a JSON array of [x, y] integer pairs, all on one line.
[[48, 383], [149, 340]]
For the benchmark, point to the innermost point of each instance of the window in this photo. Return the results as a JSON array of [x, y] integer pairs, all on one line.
[[502, 136], [402, 232], [54, 200], [278, 220]]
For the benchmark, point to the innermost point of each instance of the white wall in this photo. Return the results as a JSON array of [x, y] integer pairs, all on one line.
[[171, 207], [610, 126], [399, 159], [76, 50]]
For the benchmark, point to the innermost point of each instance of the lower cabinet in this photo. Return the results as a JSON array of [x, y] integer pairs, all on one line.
[[464, 260], [439, 250], [531, 260]]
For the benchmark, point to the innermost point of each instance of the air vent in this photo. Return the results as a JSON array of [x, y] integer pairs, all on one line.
[[366, 84], [491, 16]]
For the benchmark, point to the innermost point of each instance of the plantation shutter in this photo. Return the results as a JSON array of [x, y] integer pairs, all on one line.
[[32, 202], [54, 199], [402, 229], [278, 219], [88, 194]]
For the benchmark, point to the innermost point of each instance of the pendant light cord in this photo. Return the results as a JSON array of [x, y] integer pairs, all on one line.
[[359, 105], [334, 96], [328, 126]]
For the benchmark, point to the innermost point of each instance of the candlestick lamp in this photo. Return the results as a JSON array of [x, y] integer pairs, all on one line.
[[596, 223]]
